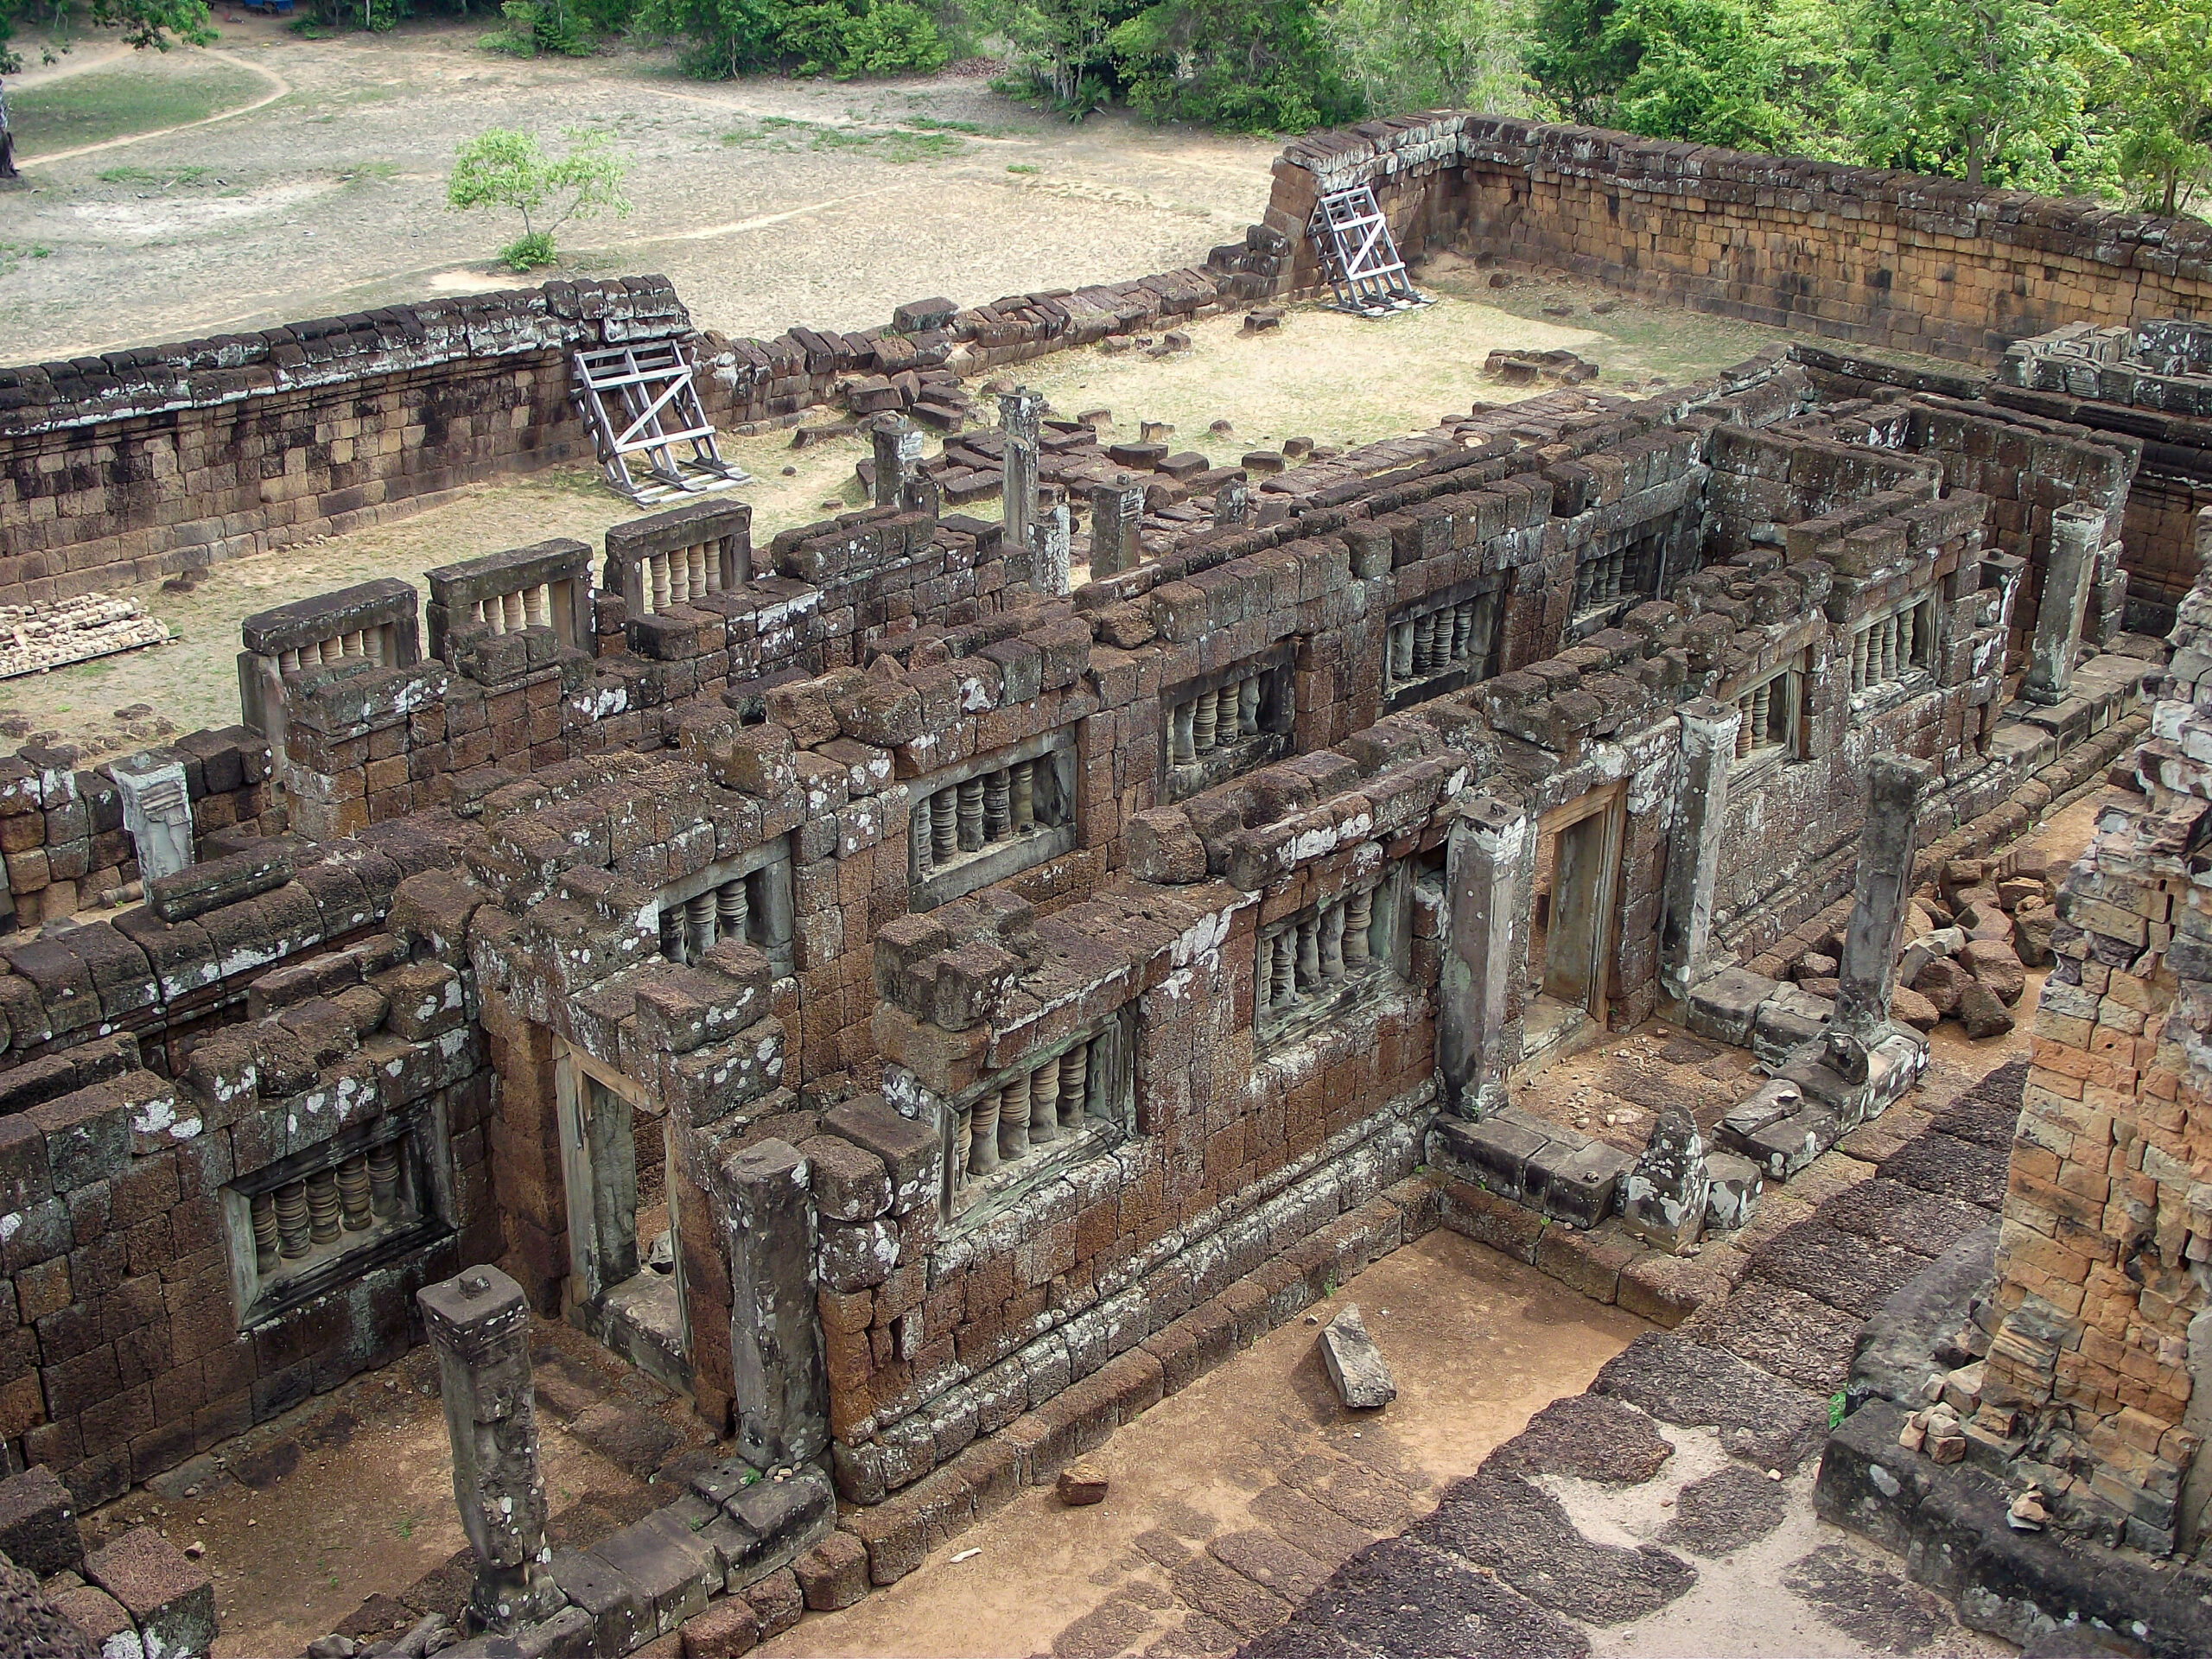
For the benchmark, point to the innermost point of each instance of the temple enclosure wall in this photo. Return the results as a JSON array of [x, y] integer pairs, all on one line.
[[133, 465], [1879, 258]]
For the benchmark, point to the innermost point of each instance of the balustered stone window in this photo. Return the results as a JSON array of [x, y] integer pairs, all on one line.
[[1312, 964], [1055, 1107], [542, 605], [1615, 568], [680, 575], [1229, 723], [1885, 649], [1437, 648], [991, 817], [311, 1223], [747, 897], [1770, 711], [378, 646]]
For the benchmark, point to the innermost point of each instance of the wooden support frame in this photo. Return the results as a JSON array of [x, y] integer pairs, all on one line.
[[1361, 257], [641, 402]]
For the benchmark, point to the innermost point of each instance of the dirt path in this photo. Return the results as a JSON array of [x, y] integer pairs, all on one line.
[[279, 87]]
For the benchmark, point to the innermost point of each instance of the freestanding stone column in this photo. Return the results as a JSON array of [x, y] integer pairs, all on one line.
[[1477, 1025], [1050, 537], [2077, 536], [1709, 730], [897, 449], [1867, 974], [479, 1324], [1232, 504], [158, 813], [780, 1383], [1020, 411], [1116, 511]]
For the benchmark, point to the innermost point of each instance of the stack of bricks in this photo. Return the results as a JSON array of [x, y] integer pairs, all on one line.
[[2091, 1383], [61, 829]]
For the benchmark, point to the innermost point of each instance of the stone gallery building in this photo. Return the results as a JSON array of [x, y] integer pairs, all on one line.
[[1006, 997]]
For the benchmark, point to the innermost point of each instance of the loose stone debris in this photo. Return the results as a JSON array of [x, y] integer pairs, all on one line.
[[36, 638]]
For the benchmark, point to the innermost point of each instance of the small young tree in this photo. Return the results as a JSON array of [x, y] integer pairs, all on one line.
[[504, 169]]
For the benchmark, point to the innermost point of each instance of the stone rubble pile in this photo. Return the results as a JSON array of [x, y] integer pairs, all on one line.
[[36, 638]]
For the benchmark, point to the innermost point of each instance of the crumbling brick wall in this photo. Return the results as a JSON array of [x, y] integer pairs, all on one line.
[[2094, 1378]]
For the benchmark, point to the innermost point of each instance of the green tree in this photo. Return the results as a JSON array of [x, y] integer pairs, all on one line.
[[1578, 59], [2157, 86], [1419, 54], [1061, 49], [159, 24], [1728, 72], [1992, 92], [1248, 66], [723, 38], [503, 169]]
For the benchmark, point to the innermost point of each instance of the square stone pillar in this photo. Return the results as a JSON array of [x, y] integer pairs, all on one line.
[[1709, 728], [1232, 504], [157, 813], [479, 1324], [2077, 536], [898, 452], [779, 1377], [1867, 974], [1116, 514], [1020, 413], [1478, 1011], [1050, 542]]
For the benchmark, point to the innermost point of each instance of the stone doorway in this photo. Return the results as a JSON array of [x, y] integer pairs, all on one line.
[[1575, 877], [626, 1276]]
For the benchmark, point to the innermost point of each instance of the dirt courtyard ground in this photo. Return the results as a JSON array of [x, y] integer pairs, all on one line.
[[768, 202]]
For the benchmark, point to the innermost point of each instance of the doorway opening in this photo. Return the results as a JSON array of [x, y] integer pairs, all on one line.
[[1570, 927], [626, 1275]]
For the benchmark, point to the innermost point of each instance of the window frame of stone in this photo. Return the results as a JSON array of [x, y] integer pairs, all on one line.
[[930, 884], [1389, 892], [424, 1199], [1105, 1120], [1641, 551], [1790, 678], [576, 1073], [1274, 715], [765, 870], [1484, 601], [1868, 694]]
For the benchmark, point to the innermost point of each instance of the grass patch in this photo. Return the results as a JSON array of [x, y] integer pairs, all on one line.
[[159, 177], [12, 254], [383, 172], [910, 141], [104, 104], [1022, 166]]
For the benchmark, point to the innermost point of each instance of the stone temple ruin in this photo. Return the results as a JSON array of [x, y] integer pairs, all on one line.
[[1037, 949]]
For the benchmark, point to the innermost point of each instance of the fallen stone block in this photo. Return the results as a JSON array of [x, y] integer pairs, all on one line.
[[1081, 1484], [169, 1596], [1733, 1192], [1356, 1365], [38, 1524]]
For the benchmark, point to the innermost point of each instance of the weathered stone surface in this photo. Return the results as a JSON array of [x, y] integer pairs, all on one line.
[[1356, 1365], [38, 1524], [1732, 1507], [1591, 1436], [170, 1598], [1501, 1521], [1404, 1595], [1982, 1012], [1765, 1421]]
